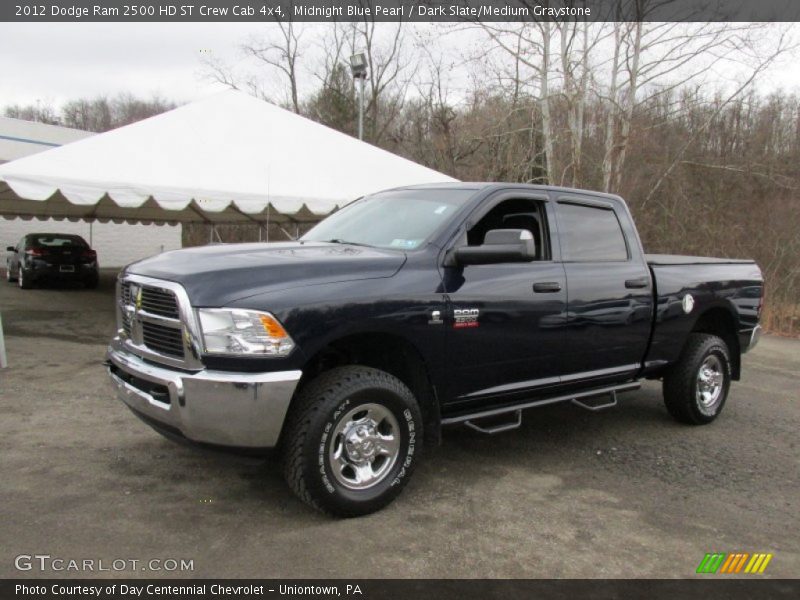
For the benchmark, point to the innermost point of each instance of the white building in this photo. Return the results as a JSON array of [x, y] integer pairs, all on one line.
[[116, 245]]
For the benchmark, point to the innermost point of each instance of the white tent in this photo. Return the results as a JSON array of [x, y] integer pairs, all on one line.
[[225, 159]]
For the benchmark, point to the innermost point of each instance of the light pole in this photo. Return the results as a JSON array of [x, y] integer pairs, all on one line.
[[358, 65]]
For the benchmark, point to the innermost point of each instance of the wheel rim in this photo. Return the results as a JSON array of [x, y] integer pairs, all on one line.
[[364, 446], [710, 379], [19, 277]]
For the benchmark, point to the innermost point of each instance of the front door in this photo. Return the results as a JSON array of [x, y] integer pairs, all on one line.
[[505, 321]]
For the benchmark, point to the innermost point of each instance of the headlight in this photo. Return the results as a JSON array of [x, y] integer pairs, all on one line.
[[235, 331]]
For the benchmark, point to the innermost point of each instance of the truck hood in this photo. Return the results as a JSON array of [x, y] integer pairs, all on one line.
[[218, 275]]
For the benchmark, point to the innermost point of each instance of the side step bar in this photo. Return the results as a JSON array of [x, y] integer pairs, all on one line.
[[575, 397], [596, 407], [500, 427]]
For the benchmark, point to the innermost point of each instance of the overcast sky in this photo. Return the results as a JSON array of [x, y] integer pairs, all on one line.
[[55, 62]]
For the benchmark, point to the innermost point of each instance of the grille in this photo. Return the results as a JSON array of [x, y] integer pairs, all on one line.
[[150, 318], [126, 323], [125, 293], [165, 340], [159, 302], [125, 300]]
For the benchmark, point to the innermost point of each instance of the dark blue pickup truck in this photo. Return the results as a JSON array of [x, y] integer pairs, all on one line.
[[416, 308]]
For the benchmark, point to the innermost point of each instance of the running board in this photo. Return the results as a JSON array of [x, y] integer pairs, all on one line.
[[596, 407], [574, 397], [499, 428]]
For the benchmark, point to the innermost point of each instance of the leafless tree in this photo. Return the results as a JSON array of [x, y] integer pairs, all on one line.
[[94, 114], [282, 54], [651, 60], [39, 112]]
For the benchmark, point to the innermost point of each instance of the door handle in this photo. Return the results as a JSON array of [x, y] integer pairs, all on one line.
[[641, 282], [547, 287]]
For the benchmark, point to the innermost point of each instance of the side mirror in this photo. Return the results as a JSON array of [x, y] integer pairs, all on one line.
[[11, 248], [499, 246]]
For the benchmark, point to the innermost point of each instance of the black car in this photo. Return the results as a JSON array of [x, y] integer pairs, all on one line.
[[51, 256]]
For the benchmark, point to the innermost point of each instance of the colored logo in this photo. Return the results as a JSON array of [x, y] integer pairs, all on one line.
[[736, 562], [465, 317]]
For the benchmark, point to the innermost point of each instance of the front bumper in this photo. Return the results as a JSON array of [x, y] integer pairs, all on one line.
[[243, 410]]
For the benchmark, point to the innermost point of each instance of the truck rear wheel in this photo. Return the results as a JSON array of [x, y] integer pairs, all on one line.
[[697, 386], [351, 441]]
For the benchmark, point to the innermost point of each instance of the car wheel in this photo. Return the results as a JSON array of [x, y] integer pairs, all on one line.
[[9, 277], [696, 388], [23, 280], [351, 441]]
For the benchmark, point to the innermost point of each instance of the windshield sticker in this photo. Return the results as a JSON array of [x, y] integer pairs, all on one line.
[[400, 243]]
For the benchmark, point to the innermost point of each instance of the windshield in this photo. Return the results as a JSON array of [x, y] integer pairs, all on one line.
[[402, 219]]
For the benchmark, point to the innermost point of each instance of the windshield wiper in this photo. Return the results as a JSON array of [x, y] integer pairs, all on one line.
[[341, 241]]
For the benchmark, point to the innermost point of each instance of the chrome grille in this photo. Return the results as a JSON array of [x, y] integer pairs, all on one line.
[[126, 323], [159, 302], [125, 293], [126, 305], [156, 321], [163, 339]]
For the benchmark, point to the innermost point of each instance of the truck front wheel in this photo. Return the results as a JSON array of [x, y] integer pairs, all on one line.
[[695, 389], [352, 439]]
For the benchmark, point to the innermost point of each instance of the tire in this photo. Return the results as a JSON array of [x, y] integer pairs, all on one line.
[[696, 388], [23, 281], [9, 277], [338, 424]]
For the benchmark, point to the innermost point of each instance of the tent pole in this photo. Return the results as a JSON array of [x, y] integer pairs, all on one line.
[[3, 361]]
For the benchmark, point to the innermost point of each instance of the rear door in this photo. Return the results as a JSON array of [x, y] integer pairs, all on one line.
[[609, 290]]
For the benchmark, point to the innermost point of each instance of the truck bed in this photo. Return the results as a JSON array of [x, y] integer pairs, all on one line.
[[678, 259]]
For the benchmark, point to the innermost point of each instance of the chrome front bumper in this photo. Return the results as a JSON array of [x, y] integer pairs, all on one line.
[[216, 407]]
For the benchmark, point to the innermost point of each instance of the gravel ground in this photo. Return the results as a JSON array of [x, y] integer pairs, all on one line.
[[622, 493]]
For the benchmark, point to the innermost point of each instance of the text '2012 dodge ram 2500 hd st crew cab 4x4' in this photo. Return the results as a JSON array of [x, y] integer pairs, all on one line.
[[415, 308]]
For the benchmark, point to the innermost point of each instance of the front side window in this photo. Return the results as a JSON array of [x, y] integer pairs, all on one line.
[[516, 213], [402, 219], [590, 234]]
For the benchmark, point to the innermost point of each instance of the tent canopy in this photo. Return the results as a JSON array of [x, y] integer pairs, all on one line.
[[229, 158]]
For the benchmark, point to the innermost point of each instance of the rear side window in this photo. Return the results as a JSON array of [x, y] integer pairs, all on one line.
[[590, 234]]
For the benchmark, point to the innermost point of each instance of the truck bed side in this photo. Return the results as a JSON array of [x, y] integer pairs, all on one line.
[[725, 299]]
